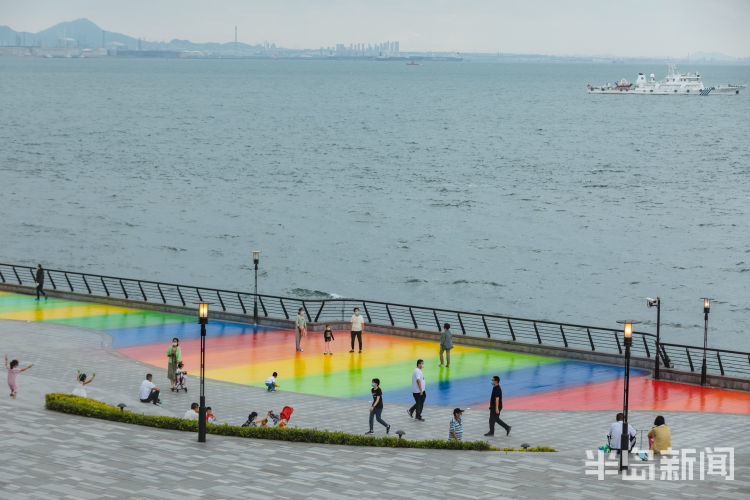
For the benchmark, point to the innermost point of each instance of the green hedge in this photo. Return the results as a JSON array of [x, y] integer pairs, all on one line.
[[85, 407]]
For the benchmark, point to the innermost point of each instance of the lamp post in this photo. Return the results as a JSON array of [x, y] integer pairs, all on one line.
[[202, 319], [657, 303], [256, 259], [625, 439], [706, 308]]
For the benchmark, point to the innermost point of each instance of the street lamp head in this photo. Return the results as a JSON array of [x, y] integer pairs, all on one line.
[[256, 257], [628, 330], [706, 305], [203, 313]]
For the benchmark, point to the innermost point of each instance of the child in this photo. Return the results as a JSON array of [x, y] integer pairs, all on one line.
[[328, 337], [271, 384], [81, 389], [180, 378], [210, 418], [14, 370]]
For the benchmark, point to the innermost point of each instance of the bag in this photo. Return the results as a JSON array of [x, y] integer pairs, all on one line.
[[286, 413]]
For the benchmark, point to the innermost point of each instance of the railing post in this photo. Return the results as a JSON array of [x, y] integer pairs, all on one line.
[[388, 310], [591, 340], [538, 337], [223, 307], [322, 305], [413, 319], [307, 313], [179, 292], [125, 292], [367, 313], [645, 345], [721, 367], [460, 322], [512, 333], [163, 299], [69, 283], [106, 290], [617, 339], [562, 332], [198, 292], [86, 283], [283, 308], [437, 321], [17, 276], [486, 328], [262, 306], [2, 277], [144, 293], [49, 275], [690, 360], [31, 271], [242, 305]]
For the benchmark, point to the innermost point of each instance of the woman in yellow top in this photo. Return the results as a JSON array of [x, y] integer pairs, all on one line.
[[660, 437]]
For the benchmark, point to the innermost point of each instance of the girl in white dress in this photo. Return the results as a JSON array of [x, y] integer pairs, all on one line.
[[80, 390]]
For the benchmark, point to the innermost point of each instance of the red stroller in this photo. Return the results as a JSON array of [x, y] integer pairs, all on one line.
[[286, 414]]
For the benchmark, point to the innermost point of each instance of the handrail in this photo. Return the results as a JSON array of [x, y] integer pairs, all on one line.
[[509, 328]]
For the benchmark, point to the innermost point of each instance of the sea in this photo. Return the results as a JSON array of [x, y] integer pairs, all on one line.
[[500, 188]]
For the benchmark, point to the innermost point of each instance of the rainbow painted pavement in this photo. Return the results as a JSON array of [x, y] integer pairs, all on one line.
[[248, 355]]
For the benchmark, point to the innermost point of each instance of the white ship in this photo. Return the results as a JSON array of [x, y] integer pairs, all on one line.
[[674, 83]]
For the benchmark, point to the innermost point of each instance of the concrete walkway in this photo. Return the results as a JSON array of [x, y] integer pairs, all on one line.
[[59, 455]]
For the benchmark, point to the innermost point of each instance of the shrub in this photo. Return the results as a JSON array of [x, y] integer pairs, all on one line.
[[85, 407], [535, 449]]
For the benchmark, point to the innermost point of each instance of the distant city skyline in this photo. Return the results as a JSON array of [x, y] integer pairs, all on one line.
[[627, 29]]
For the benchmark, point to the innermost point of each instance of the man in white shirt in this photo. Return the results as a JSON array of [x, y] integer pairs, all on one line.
[[418, 391], [192, 413], [358, 328], [149, 393], [614, 438]]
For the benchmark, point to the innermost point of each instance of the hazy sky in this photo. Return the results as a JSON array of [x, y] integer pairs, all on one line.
[[628, 27]]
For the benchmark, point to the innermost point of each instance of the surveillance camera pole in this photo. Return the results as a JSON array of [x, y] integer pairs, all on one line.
[[658, 340]]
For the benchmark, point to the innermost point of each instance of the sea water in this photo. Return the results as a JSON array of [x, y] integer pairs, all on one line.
[[502, 188]]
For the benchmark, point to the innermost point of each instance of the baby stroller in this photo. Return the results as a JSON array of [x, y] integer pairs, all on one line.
[[180, 380], [286, 414]]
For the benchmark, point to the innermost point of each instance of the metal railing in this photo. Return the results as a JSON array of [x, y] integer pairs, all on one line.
[[541, 332]]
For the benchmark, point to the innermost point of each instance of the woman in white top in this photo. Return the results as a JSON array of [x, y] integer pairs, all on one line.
[[80, 390]]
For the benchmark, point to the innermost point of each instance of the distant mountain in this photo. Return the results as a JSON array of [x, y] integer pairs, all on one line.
[[80, 33]]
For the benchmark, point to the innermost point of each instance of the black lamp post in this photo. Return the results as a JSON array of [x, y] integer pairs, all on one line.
[[202, 319], [256, 259], [625, 439], [657, 304], [706, 308]]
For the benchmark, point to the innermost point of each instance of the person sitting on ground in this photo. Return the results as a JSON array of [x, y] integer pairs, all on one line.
[[148, 392], [192, 413], [254, 421], [614, 438], [80, 390], [210, 418], [271, 384], [661, 436]]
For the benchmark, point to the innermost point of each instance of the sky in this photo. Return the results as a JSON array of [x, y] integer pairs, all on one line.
[[629, 28]]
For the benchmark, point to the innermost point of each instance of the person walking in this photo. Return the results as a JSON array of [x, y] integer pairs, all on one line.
[[39, 281], [357, 328], [418, 391], [301, 329], [174, 356], [446, 344], [456, 428], [376, 408], [496, 404]]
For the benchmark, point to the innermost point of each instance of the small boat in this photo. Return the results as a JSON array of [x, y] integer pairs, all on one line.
[[412, 63], [623, 84]]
